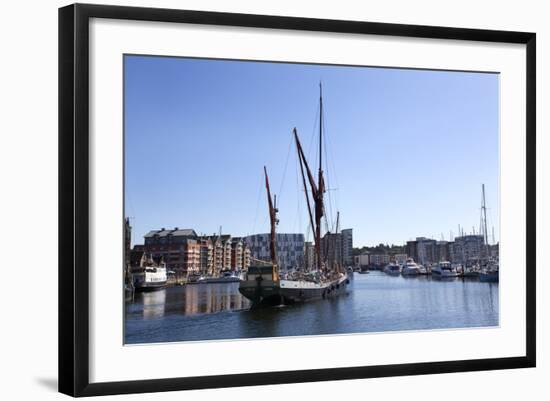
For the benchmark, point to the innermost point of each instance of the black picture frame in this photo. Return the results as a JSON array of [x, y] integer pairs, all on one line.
[[74, 198]]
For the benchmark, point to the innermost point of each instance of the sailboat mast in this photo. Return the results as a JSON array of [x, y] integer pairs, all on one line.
[[320, 186], [320, 130], [484, 210], [273, 220]]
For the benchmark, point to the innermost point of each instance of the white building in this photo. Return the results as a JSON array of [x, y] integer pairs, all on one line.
[[362, 260]]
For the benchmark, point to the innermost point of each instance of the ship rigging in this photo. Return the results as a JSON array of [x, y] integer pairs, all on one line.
[[263, 283]]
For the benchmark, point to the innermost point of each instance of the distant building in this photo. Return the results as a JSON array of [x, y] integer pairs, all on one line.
[[217, 254], [441, 251], [178, 248], [227, 253], [135, 255], [290, 249], [347, 246], [206, 256], [191, 255], [332, 249], [400, 258], [422, 250], [186, 252], [412, 250], [246, 256], [468, 249], [379, 259], [226, 247], [362, 260], [426, 250], [337, 248], [240, 254]]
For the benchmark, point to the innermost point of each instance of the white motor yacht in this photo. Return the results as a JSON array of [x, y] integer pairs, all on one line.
[[410, 268], [444, 270]]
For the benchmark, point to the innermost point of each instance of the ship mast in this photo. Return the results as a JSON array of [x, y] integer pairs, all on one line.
[[274, 221], [317, 188], [319, 208], [484, 217]]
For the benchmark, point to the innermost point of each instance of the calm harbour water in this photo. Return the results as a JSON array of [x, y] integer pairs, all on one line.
[[376, 302]]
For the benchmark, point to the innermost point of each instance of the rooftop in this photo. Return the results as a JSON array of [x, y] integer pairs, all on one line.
[[176, 232]]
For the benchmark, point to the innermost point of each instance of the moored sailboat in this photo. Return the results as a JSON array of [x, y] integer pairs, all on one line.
[[263, 283]]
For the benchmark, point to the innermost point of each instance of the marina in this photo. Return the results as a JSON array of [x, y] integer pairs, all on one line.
[[376, 302], [286, 267]]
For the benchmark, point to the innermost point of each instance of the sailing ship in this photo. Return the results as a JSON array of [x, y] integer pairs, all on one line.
[[263, 284]]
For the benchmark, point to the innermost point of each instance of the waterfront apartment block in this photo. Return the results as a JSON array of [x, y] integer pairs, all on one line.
[[240, 254], [332, 249], [186, 252], [379, 259], [337, 248], [465, 249], [206, 256], [290, 249], [347, 246], [362, 260], [178, 248], [468, 249]]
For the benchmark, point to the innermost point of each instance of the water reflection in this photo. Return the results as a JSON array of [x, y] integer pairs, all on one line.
[[376, 302], [205, 298], [153, 303]]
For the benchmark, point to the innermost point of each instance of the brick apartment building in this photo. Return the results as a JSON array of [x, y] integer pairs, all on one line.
[[185, 252]]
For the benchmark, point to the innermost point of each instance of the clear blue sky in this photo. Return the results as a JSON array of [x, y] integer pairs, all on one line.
[[408, 150]]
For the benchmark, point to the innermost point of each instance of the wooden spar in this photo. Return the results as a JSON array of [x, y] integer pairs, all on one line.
[[260, 260], [300, 155], [273, 220], [308, 170], [317, 199]]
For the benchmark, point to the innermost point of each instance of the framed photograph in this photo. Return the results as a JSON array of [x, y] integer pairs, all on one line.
[[251, 199]]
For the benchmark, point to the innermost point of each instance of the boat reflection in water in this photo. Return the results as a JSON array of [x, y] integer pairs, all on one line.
[[210, 298], [153, 303], [188, 300], [378, 303]]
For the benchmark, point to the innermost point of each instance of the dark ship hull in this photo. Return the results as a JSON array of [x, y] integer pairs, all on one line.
[[261, 289]]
